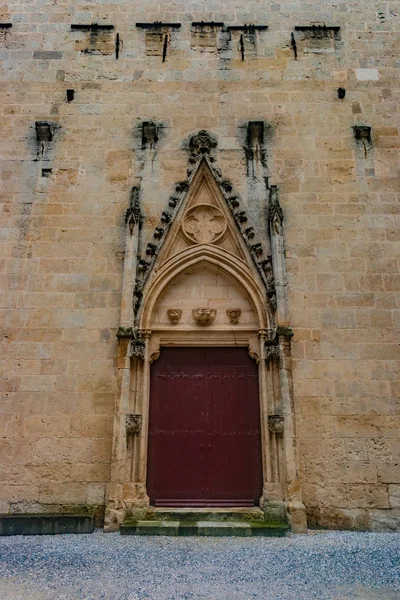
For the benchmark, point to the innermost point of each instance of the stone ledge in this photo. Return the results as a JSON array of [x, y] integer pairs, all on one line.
[[45, 524], [204, 528]]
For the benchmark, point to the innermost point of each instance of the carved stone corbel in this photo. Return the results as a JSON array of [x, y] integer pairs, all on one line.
[[133, 423], [204, 316], [174, 315], [276, 423], [125, 332], [285, 330]]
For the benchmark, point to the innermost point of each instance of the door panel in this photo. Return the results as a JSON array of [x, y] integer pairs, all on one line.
[[204, 429]]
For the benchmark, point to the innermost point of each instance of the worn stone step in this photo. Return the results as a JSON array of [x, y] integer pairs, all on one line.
[[205, 514], [46, 524], [204, 528]]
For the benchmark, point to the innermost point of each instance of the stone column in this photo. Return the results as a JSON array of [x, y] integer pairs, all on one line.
[[295, 507], [115, 509]]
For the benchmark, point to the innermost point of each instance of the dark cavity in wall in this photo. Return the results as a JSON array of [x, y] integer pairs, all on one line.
[[365, 163], [254, 149], [149, 135]]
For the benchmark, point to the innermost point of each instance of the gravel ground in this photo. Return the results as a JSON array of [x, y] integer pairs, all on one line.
[[322, 566]]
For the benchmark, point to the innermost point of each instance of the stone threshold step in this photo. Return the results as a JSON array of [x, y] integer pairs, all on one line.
[[204, 528], [45, 524], [205, 514]]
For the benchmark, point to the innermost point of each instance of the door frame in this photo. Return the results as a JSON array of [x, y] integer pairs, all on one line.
[[272, 464], [159, 398]]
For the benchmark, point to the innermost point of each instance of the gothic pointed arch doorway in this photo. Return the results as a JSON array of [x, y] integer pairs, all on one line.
[[203, 354]]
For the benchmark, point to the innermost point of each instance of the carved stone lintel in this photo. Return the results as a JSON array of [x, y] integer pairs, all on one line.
[[276, 423], [234, 314], [133, 213], [204, 316], [133, 423], [202, 143], [275, 213], [174, 315]]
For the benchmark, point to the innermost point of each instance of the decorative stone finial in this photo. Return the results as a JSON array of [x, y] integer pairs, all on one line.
[[133, 213], [202, 143], [275, 213]]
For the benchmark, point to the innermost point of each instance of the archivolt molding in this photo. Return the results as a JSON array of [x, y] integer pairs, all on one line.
[[216, 258]]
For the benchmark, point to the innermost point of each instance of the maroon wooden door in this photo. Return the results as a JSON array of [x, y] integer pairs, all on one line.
[[204, 428]]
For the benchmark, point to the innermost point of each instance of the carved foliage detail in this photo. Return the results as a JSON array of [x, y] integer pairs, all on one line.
[[174, 315], [202, 143], [233, 315], [204, 316]]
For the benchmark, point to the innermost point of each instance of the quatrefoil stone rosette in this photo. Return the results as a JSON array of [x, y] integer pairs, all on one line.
[[204, 224]]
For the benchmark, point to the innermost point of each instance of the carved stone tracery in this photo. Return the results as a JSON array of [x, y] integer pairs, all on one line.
[[204, 224]]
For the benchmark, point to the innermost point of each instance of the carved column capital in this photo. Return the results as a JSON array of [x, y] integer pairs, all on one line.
[[271, 349], [133, 423], [138, 343], [276, 423], [145, 333]]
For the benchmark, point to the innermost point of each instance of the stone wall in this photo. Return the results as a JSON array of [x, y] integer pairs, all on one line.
[[64, 200]]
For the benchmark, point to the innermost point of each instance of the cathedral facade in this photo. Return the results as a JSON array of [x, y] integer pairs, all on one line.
[[200, 259]]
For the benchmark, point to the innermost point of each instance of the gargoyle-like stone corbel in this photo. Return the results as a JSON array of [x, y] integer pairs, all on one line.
[[202, 143], [133, 423], [276, 423], [133, 213], [284, 330], [275, 213]]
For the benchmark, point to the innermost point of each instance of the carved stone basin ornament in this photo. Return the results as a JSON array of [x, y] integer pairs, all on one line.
[[174, 315], [204, 316], [234, 314]]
